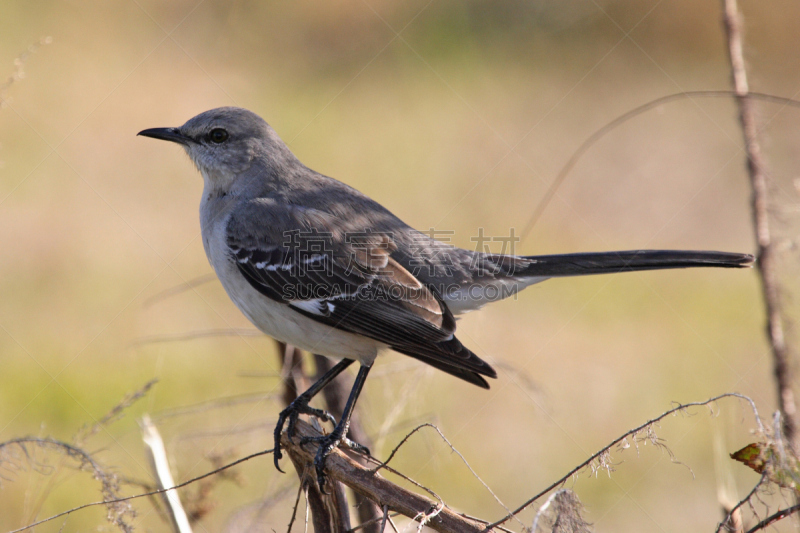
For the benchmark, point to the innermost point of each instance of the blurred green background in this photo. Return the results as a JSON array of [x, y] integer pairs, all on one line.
[[455, 115]]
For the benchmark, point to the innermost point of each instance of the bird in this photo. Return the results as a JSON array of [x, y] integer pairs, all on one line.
[[315, 263]]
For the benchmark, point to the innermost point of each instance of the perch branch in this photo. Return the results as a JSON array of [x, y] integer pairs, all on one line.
[[328, 510], [342, 468]]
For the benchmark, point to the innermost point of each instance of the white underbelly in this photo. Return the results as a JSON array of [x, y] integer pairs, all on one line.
[[281, 322]]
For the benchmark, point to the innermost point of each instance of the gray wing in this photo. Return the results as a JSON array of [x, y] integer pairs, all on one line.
[[347, 280]]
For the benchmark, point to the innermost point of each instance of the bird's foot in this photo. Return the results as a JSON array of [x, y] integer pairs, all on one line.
[[298, 407], [327, 443]]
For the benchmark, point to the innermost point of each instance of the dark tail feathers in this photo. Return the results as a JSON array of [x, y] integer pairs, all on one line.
[[609, 262]]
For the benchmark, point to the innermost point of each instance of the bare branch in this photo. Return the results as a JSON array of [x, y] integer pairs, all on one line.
[[329, 511], [381, 519], [739, 505], [766, 256], [780, 515], [292, 374], [453, 448], [300, 490], [342, 468]]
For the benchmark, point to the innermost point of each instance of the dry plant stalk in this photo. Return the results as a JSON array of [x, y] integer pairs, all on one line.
[[161, 472], [766, 255]]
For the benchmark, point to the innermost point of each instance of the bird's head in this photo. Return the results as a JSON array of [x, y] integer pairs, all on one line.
[[224, 142]]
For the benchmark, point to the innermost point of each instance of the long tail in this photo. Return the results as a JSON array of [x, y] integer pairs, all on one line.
[[547, 266]]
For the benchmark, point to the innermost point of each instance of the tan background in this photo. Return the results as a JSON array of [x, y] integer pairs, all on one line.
[[455, 115]]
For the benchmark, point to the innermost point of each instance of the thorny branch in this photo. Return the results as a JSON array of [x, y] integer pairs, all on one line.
[[766, 255]]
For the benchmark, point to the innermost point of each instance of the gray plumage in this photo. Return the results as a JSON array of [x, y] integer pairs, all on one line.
[[317, 264]]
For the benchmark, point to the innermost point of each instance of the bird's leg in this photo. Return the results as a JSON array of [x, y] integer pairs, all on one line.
[[300, 406], [339, 435]]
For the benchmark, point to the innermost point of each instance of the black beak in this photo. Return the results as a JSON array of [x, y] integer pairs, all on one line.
[[166, 134]]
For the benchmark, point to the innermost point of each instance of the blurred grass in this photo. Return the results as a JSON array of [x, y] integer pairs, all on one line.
[[94, 221]]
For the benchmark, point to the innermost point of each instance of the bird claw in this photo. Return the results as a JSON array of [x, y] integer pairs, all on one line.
[[296, 408], [327, 443]]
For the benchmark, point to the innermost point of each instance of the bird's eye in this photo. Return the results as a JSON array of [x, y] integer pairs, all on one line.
[[218, 135]]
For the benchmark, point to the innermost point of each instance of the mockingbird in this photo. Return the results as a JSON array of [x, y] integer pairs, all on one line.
[[314, 263]]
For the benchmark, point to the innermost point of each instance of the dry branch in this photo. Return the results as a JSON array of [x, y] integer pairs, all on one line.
[[329, 512], [731, 514], [780, 515], [766, 254], [367, 482]]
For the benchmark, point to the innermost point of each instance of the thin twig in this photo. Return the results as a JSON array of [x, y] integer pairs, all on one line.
[[340, 467], [604, 451], [382, 519], [115, 411], [635, 112], [780, 515], [109, 481], [743, 501], [144, 494], [766, 256], [305, 491], [183, 287], [300, 490], [192, 335], [453, 448]]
